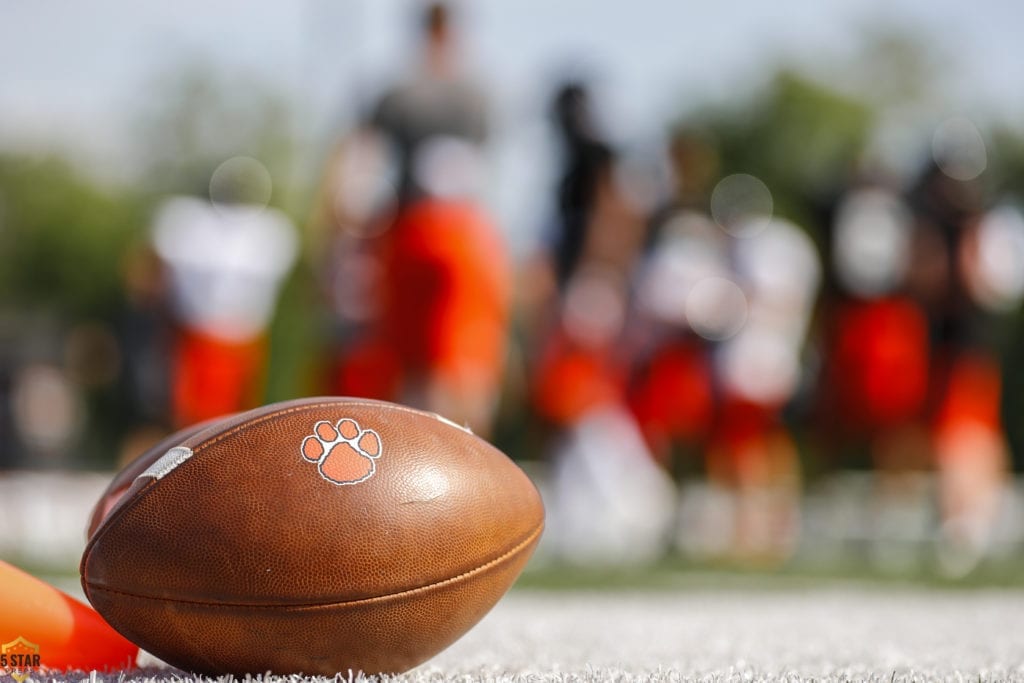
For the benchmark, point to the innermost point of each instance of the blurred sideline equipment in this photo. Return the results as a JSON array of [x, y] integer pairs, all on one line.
[[69, 634], [314, 536]]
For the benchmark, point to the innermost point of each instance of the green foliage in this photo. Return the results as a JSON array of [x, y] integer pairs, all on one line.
[[297, 344], [61, 238], [798, 136], [196, 118], [894, 68], [62, 233], [1006, 162]]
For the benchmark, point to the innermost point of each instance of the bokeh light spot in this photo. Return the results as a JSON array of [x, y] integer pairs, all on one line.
[[47, 411], [241, 180], [716, 308], [742, 205], [959, 149]]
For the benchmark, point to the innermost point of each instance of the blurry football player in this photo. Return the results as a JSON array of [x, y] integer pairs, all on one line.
[[580, 282], [984, 259], [611, 503], [726, 296], [671, 384], [419, 273], [226, 260], [872, 396], [760, 316]]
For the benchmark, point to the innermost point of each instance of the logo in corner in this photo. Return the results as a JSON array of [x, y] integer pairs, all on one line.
[[344, 453], [19, 657]]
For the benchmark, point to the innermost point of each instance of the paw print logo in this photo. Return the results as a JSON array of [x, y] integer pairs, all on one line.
[[343, 453]]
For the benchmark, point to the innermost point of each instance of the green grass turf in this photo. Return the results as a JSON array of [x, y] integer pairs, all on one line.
[[673, 573]]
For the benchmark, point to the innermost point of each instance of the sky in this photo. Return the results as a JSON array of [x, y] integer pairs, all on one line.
[[80, 62], [75, 71]]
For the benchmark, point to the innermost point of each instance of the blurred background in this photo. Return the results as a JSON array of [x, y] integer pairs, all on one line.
[[737, 283]]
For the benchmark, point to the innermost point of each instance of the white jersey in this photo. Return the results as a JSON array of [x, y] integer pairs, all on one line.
[[226, 263]]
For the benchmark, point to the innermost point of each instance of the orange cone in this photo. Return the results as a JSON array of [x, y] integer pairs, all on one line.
[[38, 619]]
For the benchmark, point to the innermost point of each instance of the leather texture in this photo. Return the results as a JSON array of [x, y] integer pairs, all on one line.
[[123, 480], [248, 557]]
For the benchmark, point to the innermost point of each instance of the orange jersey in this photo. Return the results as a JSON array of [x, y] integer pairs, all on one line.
[[879, 364], [971, 399], [447, 289], [674, 397], [214, 377], [572, 380]]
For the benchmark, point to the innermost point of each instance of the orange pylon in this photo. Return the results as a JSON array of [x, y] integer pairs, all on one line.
[[68, 633]]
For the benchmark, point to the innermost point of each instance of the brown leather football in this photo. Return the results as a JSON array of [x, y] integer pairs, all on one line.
[[315, 536], [123, 480]]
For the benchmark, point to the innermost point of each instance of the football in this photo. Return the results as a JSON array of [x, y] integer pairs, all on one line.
[[317, 536], [121, 482]]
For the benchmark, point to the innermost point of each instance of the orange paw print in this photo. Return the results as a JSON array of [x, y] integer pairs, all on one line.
[[344, 453]]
